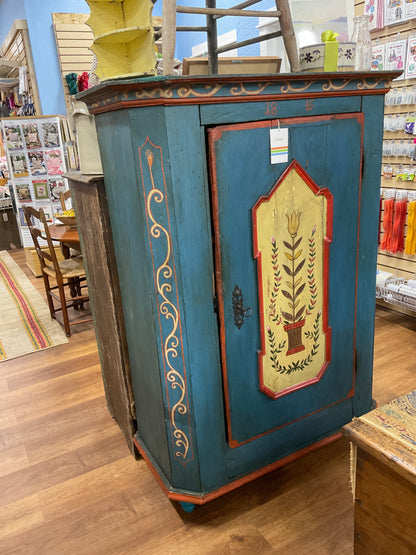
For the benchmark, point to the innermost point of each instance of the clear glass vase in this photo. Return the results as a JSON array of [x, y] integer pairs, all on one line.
[[362, 39]]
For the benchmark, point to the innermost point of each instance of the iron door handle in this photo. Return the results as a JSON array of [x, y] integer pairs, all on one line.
[[240, 312]]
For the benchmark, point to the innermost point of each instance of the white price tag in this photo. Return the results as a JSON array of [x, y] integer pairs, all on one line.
[[279, 145]]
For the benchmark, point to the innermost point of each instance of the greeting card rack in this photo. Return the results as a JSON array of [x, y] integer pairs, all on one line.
[[37, 156], [394, 39]]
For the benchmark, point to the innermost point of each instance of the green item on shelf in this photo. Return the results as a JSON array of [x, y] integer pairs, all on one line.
[[71, 81]]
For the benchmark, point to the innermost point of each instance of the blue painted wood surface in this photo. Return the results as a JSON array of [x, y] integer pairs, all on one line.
[[369, 217], [156, 163], [135, 278], [277, 109], [331, 152]]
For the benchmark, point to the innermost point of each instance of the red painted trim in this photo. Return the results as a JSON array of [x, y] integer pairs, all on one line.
[[116, 93], [294, 165], [215, 134], [202, 499]]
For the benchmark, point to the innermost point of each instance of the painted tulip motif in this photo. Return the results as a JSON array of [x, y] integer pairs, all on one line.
[[294, 285], [294, 312]]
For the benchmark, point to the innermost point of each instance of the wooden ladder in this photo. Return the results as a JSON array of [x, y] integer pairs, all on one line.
[[169, 29]]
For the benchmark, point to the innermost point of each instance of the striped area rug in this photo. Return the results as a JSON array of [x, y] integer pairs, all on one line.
[[25, 322]]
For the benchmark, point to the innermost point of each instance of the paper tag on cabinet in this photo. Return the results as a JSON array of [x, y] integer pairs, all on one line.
[[279, 145]]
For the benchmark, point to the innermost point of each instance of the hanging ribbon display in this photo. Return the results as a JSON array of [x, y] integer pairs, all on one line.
[[410, 245], [379, 220], [387, 224], [397, 238]]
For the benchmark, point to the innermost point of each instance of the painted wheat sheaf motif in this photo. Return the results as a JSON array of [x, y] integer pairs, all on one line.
[[170, 327]]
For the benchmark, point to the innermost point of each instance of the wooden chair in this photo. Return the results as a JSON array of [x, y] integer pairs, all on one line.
[[68, 274], [63, 198], [169, 28]]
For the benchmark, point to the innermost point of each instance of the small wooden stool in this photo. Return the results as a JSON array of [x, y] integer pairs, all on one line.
[[383, 447]]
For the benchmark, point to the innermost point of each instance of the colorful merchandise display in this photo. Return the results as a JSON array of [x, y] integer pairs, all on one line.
[[36, 150]]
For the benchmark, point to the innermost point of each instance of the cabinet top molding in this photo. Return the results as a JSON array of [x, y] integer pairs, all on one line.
[[128, 93]]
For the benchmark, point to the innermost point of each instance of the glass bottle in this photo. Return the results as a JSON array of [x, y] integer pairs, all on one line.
[[362, 39]]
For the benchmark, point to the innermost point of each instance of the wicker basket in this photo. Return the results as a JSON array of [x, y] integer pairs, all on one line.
[[66, 220]]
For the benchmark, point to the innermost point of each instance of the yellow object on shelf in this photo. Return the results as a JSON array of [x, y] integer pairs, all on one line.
[[123, 37], [32, 259]]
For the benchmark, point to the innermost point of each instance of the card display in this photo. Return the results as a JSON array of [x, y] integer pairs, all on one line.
[[36, 157]]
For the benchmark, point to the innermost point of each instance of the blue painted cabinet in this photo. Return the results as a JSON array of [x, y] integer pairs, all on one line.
[[244, 212]]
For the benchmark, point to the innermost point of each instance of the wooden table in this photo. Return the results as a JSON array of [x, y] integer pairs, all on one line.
[[68, 237], [384, 478]]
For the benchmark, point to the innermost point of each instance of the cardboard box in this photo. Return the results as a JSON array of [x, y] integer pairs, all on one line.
[[233, 66], [32, 259]]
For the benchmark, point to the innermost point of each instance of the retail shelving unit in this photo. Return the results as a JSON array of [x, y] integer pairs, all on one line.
[[400, 265]]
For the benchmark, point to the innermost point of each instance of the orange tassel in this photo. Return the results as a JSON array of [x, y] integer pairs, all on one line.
[[397, 237], [387, 224]]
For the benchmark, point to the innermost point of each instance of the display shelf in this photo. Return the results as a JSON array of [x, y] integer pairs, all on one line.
[[396, 291], [401, 265], [123, 38], [108, 14]]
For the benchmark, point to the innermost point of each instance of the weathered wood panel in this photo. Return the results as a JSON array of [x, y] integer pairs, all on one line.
[[97, 245]]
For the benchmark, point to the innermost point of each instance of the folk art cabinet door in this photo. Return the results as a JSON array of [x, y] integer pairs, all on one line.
[[286, 226]]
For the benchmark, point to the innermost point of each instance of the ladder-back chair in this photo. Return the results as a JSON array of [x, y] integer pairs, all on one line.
[[169, 28], [68, 274], [63, 197]]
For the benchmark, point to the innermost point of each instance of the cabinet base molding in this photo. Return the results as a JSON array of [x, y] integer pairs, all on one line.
[[200, 499]]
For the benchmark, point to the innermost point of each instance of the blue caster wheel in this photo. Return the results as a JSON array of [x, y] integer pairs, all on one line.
[[187, 507]]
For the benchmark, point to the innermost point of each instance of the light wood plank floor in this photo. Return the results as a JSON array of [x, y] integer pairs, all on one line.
[[69, 485]]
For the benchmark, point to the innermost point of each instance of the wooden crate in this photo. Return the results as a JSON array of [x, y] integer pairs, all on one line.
[[234, 66], [384, 477], [32, 259]]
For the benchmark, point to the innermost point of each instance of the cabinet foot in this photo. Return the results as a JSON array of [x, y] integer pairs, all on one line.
[[187, 507]]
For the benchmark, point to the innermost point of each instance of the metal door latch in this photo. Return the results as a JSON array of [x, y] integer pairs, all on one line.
[[238, 308]]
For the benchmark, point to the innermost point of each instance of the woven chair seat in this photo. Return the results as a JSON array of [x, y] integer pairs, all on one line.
[[69, 274], [70, 268]]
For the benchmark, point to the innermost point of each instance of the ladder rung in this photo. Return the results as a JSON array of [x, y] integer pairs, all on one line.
[[227, 11], [260, 38]]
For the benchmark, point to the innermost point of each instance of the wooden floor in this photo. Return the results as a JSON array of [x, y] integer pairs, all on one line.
[[69, 485]]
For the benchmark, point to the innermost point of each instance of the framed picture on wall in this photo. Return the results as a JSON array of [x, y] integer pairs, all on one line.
[[23, 192], [31, 135], [41, 190], [50, 134], [37, 163], [56, 187], [14, 138], [19, 165], [54, 162]]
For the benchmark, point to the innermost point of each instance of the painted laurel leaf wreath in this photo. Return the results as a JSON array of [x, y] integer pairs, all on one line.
[[311, 273], [276, 283], [299, 364]]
